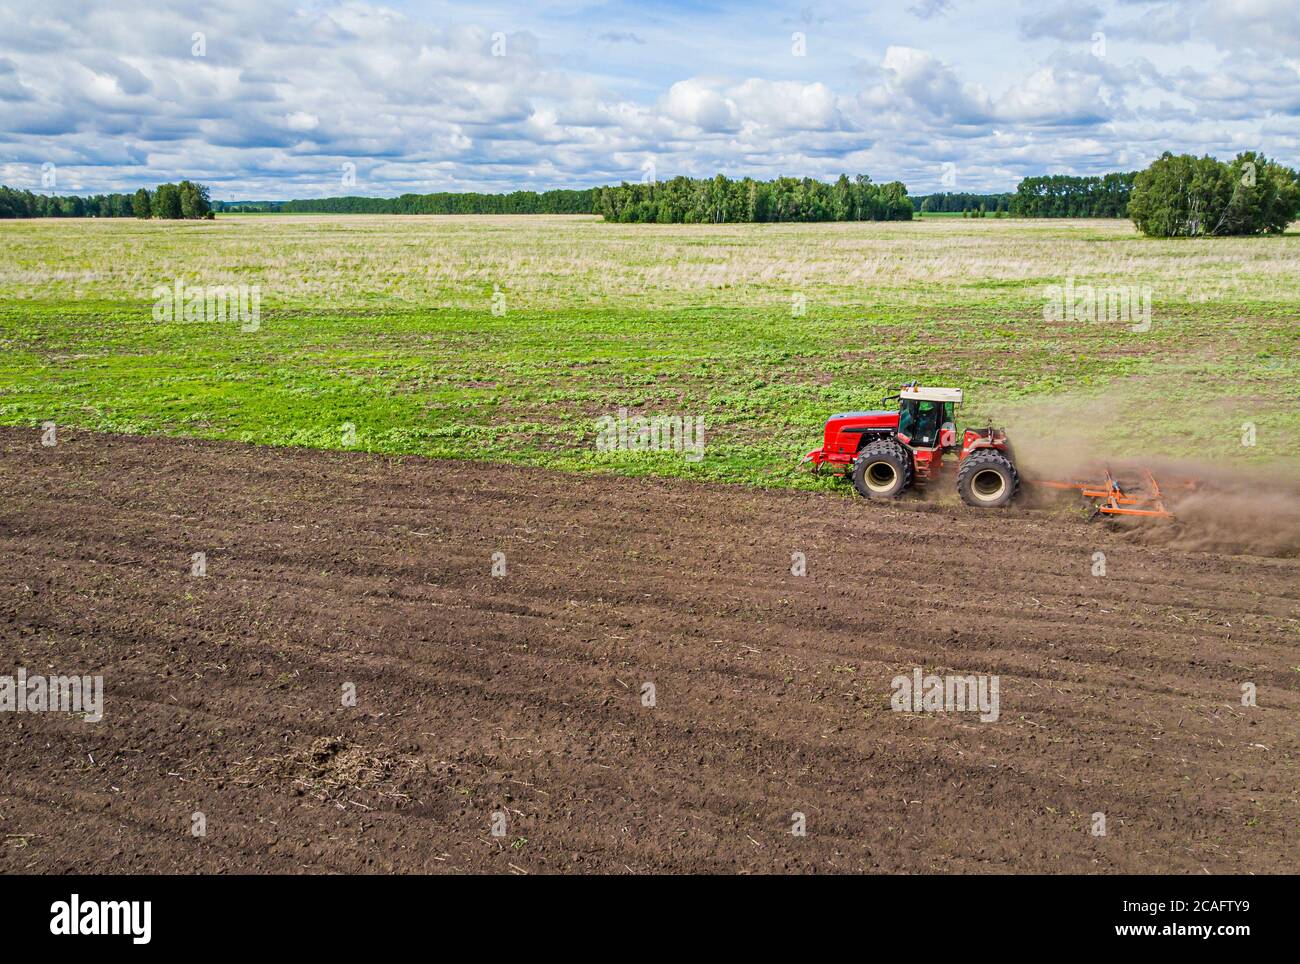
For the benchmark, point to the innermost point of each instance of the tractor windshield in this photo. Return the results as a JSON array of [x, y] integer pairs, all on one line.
[[920, 421]]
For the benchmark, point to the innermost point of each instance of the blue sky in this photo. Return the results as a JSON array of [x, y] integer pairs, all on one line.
[[308, 98]]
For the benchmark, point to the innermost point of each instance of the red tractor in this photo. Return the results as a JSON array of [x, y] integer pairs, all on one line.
[[886, 451]]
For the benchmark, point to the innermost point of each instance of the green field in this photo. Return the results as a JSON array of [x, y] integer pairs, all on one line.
[[387, 323]]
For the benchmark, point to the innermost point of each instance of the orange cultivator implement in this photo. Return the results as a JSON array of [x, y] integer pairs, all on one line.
[[1143, 497]]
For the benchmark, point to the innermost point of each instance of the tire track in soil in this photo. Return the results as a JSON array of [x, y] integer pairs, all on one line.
[[476, 694]]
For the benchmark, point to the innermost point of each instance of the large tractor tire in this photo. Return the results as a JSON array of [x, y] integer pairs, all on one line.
[[883, 470], [987, 480]]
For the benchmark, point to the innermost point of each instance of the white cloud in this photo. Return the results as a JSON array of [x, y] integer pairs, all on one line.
[[1054, 96], [1267, 26], [302, 121], [928, 85], [416, 96], [1065, 21], [697, 104]]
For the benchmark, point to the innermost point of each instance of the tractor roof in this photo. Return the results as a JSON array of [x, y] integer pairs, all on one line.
[[927, 394]]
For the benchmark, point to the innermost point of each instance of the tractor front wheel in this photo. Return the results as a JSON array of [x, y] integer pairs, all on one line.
[[883, 470], [987, 480]]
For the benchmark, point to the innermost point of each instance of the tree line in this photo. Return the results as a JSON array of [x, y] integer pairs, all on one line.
[[716, 200], [952, 203], [1178, 195], [516, 202], [1064, 196], [172, 201]]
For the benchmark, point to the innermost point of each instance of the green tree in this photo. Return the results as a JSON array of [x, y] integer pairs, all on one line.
[[194, 200], [1185, 196], [167, 202], [1265, 197], [140, 205]]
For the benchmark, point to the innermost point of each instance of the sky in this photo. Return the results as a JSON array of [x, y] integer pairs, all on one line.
[[278, 99]]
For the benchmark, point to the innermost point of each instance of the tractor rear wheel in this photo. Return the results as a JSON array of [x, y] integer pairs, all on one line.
[[883, 470], [987, 480]]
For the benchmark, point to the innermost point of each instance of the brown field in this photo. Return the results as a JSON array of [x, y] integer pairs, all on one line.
[[521, 695]]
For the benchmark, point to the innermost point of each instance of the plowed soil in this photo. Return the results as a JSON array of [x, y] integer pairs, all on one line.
[[523, 695]]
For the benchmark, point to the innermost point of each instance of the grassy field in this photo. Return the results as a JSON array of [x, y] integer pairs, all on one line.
[[387, 324]]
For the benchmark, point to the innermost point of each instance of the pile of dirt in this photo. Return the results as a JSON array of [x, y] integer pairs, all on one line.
[[333, 769]]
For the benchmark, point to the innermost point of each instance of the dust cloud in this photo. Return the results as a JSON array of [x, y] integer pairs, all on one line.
[[1248, 509]]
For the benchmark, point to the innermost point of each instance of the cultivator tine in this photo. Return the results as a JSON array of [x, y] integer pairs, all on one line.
[[1146, 499]]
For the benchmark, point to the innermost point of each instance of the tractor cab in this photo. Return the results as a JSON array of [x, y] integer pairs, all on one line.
[[926, 416], [926, 426]]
